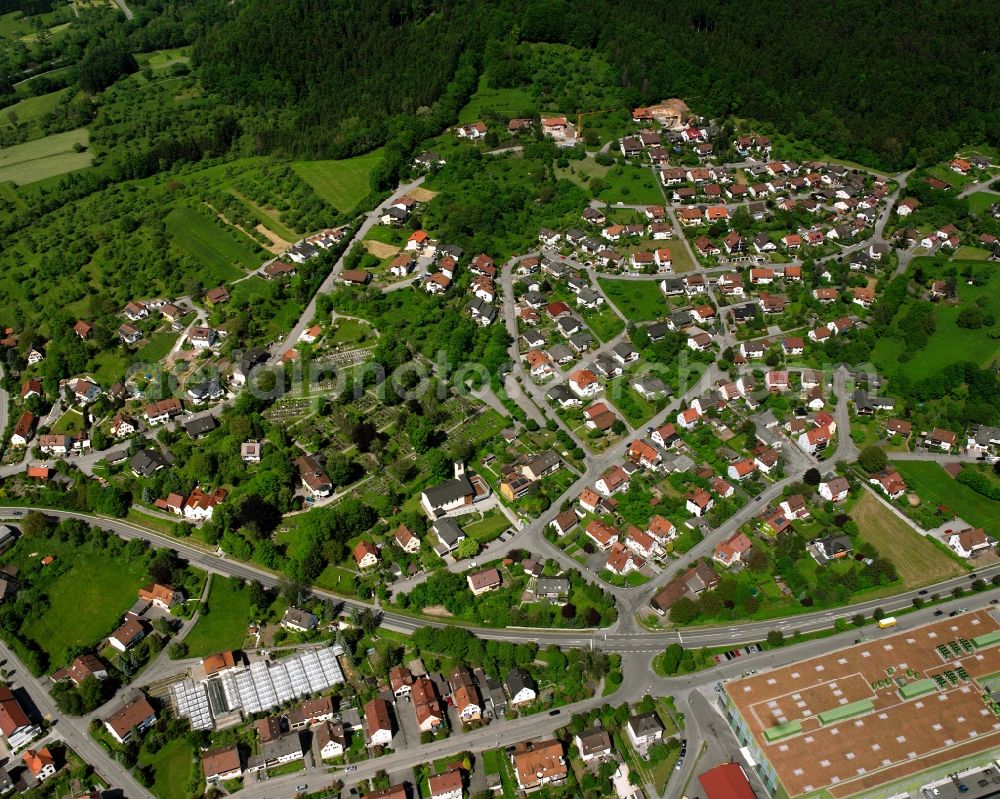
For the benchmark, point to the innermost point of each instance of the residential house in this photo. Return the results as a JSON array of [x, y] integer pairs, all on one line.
[[135, 716], [40, 763], [378, 723], [221, 765], [890, 481], [520, 687], [644, 730], [164, 597], [484, 581], [406, 540], [537, 764], [968, 543], [690, 584], [331, 739], [297, 620], [612, 481], [365, 555], [17, 729], [699, 502], [427, 708], [835, 489], [602, 534], [732, 550], [593, 744], [129, 633], [313, 476], [447, 785]]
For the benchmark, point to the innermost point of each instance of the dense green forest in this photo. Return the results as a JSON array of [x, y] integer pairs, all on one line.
[[885, 84]]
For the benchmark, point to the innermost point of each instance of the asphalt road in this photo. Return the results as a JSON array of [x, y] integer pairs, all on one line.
[[71, 730]]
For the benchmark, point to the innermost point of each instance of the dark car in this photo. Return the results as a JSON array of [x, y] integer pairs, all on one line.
[[938, 612], [922, 592], [554, 712]]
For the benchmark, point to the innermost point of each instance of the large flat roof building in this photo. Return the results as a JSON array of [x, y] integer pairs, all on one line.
[[880, 718]]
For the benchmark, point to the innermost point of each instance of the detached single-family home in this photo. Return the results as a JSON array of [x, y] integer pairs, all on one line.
[[968, 543]]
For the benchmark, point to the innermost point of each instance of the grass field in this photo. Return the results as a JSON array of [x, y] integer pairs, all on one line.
[[225, 625], [967, 253], [45, 158], [489, 527], [933, 484], [580, 172], [171, 767], [631, 185], [605, 324], [86, 601], [222, 255], [158, 345], [949, 342], [31, 108], [917, 560], [638, 300], [503, 102], [344, 183], [980, 201]]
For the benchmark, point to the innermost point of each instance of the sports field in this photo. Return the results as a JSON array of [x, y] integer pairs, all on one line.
[[344, 183], [221, 253], [45, 158], [917, 560]]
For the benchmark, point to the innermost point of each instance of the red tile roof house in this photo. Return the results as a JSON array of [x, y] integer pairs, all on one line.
[[40, 763], [602, 534], [131, 632], [622, 561], [584, 383], [406, 540], [940, 439], [699, 502], [741, 469], [732, 549], [163, 596], [613, 481], [642, 453], [14, 724], [135, 714], [447, 785], [365, 555], [589, 500], [890, 481], [222, 764]]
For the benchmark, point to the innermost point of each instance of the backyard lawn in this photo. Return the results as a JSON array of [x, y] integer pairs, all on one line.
[[980, 201], [86, 601], [171, 766], [157, 346], [933, 484], [343, 183], [225, 625], [489, 527], [917, 560], [638, 300]]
